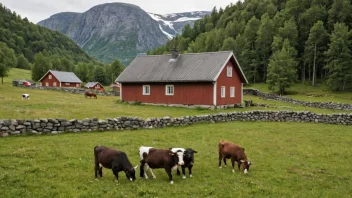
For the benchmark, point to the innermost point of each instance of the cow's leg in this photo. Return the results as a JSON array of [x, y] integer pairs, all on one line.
[[141, 168], [183, 172], [116, 173], [233, 164], [225, 161], [239, 165], [168, 171], [220, 158], [146, 167], [190, 170], [100, 170], [151, 172], [178, 172], [96, 169]]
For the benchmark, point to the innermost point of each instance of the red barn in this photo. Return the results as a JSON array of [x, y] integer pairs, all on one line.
[[60, 79], [94, 85], [210, 79]]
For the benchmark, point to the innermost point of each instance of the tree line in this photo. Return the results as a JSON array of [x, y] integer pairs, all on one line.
[[29, 46], [279, 42]]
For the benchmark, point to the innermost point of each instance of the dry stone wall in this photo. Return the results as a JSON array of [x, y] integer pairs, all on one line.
[[323, 105], [55, 126], [74, 90]]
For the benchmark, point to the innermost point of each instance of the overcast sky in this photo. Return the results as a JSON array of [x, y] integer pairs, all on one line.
[[37, 10]]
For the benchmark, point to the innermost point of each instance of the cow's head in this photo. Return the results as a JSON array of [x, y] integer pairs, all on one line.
[[178, 157], [246, 164], [188, 156], [131, 173]]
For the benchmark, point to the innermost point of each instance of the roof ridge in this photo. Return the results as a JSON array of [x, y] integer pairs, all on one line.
[[143, 55]]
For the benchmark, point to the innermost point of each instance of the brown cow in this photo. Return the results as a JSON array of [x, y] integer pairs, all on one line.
[[112, 159], [159, 158], [90, 94], [229, 150]]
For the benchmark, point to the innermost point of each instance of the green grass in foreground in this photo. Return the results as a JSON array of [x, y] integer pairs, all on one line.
[[290, 160]]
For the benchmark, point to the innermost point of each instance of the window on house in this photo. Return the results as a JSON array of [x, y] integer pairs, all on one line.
[[77, 85], [67, 83], [232, 92], [223, 91], [41, 84], [229, 71], [146, 89], [169, 90], [54, 84], [50, 77], [47, 84]]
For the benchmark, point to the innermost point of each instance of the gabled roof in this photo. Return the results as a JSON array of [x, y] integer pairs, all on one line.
[[64, 76], [186, 68], [92, 84]]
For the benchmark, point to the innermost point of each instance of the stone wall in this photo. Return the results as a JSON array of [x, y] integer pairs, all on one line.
[[323, 105], [73, 90], [54, 126]]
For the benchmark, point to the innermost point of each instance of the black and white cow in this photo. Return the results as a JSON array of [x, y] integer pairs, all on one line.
[[188, 158], [25, 96], [152, 158]]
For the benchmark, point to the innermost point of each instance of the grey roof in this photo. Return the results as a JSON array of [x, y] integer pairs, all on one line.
[[186, 68], [91, 84], [64, 76]]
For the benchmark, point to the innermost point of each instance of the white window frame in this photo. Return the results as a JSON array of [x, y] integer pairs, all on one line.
[[67, 83], [223, 91], [145, 93], [232, 92], [229, 71], [54, 84], [47, 84], [50, 76], [167, 90]]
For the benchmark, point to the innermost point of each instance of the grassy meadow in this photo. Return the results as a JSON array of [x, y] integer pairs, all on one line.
[[290, 160], [56, 104]]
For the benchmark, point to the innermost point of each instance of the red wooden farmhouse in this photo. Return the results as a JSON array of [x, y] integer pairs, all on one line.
[[60, 79], [94, 85], [209, 79]]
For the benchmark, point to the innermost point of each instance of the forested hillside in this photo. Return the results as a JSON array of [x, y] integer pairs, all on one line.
[[279, 41], [29, 46]]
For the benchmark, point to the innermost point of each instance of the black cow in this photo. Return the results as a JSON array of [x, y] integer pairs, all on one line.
[[188, 158], [113, 159]]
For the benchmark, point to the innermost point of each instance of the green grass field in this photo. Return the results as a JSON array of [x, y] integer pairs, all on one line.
[[290, 160], [56, 104]]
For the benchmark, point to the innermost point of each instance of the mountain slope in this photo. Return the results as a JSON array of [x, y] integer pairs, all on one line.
[[110, 31], [28, 39], [172, 24]]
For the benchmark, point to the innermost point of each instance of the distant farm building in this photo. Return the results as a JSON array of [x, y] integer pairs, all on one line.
[[210, 79], [60, 79], [115, 87], [94, 85]]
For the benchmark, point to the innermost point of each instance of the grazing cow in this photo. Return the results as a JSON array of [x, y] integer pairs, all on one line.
[[113, 159], [25, 96], [188, 158], [236, 153], [90, 94], [152, 158]]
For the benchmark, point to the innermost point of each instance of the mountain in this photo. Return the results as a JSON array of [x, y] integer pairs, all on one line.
[[27, 39], [172, 24], [119, 30], [110, 31]]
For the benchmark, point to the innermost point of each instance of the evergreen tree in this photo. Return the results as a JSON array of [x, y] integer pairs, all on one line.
[[7, 60], [40, 67], [228, 44], [282, 69], [339, 58], [100, 75], [81, 70], [116, 69], [22, 62], [315, 47]]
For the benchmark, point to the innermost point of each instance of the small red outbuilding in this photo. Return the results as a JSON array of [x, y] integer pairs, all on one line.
[[209, 79], [94, 85], [60, 79]]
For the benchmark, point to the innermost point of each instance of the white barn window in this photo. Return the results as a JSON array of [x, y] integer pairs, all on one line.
[[223, 91], [77, 85], [47, 84], [169, 90], [232, 92], [229, 71], [146, 90], [54, 84], [50, 76]]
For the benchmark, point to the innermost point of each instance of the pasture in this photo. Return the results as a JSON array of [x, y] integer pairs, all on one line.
[[290, 160], [57, 104]]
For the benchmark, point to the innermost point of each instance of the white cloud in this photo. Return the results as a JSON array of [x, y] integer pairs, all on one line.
[[37, 10]]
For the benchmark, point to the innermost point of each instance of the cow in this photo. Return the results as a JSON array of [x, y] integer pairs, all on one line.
[[113, 159], [153, 158], [188, 158], [229, 150], [25, 96], [90, 94]]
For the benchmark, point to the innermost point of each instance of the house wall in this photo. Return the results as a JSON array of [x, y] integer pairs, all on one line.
[[50, 82], [77, 85], [97, 87], [184, 93], [234, 81]]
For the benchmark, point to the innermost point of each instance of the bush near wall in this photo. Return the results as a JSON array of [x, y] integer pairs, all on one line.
[[55, 126], [323, 105]]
